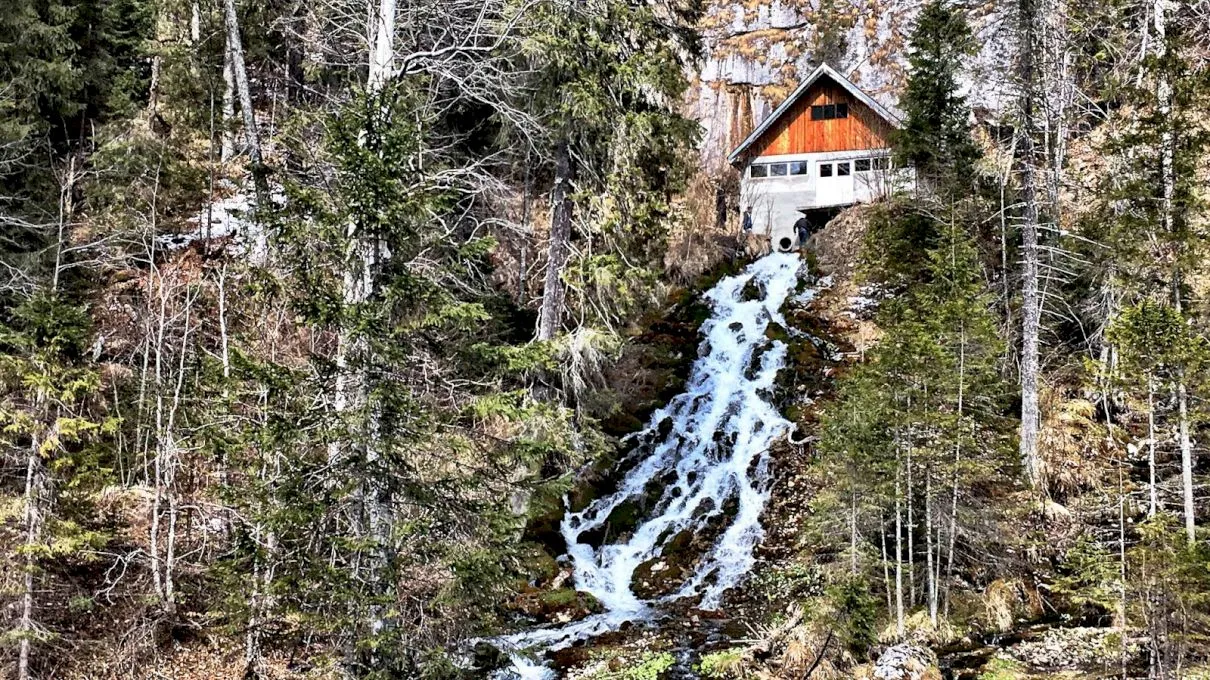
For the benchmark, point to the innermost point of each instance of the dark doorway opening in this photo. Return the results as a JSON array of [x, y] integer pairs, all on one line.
[[818, 218]]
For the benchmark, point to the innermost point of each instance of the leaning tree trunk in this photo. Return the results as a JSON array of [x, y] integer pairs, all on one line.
[[554, 292], [1031, 304]]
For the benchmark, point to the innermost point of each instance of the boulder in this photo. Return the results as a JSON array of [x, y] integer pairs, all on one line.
[[907, 661]]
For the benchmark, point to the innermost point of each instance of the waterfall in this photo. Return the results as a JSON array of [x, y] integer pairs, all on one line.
[[704, 457]]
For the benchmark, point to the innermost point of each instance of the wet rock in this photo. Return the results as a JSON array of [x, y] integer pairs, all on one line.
[[775, 331], [907, 661], [664, 574], [753, 290]]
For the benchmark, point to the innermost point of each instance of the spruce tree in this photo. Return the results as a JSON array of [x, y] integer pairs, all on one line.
[[935, 137]]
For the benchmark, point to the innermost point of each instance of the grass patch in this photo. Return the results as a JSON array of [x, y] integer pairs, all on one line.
[[722, 665], [649, 667], [1001, 668]]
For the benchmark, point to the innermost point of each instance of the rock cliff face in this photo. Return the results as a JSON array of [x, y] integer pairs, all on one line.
[[755, 52]]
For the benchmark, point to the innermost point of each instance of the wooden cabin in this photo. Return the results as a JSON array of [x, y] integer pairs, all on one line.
[[825, 147]]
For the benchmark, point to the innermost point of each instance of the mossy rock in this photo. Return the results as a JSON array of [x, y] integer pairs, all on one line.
[[543, 527], [559, 605], [536, 564]]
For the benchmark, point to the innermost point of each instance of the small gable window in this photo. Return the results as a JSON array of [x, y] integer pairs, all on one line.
[[861, 165], [829, 111], [777, 170], [842, 169], [881, 163], [825, 169], [758, 170], [798, 167]]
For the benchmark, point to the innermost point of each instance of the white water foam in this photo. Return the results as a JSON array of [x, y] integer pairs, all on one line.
[[705, 454]]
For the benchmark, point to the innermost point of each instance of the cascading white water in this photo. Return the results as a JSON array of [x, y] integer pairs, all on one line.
[[705, 454]]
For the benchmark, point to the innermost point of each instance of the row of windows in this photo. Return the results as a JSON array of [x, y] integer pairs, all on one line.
[[829, 111], [828, 169]]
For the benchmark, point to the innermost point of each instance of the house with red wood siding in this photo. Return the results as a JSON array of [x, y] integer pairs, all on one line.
[[825, 147]]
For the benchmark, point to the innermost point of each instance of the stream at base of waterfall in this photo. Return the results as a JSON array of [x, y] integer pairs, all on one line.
[[706, 453]]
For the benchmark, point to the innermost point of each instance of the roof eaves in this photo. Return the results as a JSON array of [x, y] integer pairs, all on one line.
[[820, 70]]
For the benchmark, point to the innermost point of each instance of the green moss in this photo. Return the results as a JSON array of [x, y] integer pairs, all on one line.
[[559, 598]]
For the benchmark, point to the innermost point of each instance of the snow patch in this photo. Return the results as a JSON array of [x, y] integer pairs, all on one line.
[[226, 218]]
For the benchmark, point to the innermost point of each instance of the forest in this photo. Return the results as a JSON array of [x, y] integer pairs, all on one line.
[[426, 339]]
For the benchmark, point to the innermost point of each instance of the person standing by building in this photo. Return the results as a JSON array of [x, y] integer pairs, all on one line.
[[802, 228], [747, 220]]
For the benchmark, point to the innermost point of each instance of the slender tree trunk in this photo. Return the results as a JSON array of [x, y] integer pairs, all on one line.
[[195, 22], [1154, 504], [886, 568], [526, 232], [34, 485], [1186, 460], [853, 532], [898, 554], [159, 461], [228, 110], [1004, 277], [252, 654], [1168, 192], [382, 52], [363, 259], [554, 292], [928, 547], [1122, 621], [1031, 308], [953, 529], [911, 528], [170, 556], [235, 49]]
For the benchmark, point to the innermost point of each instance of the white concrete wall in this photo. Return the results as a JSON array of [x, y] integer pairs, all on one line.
[[777, 202]]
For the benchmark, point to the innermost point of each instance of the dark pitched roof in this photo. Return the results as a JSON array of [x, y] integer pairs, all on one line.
[[821, 71]]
